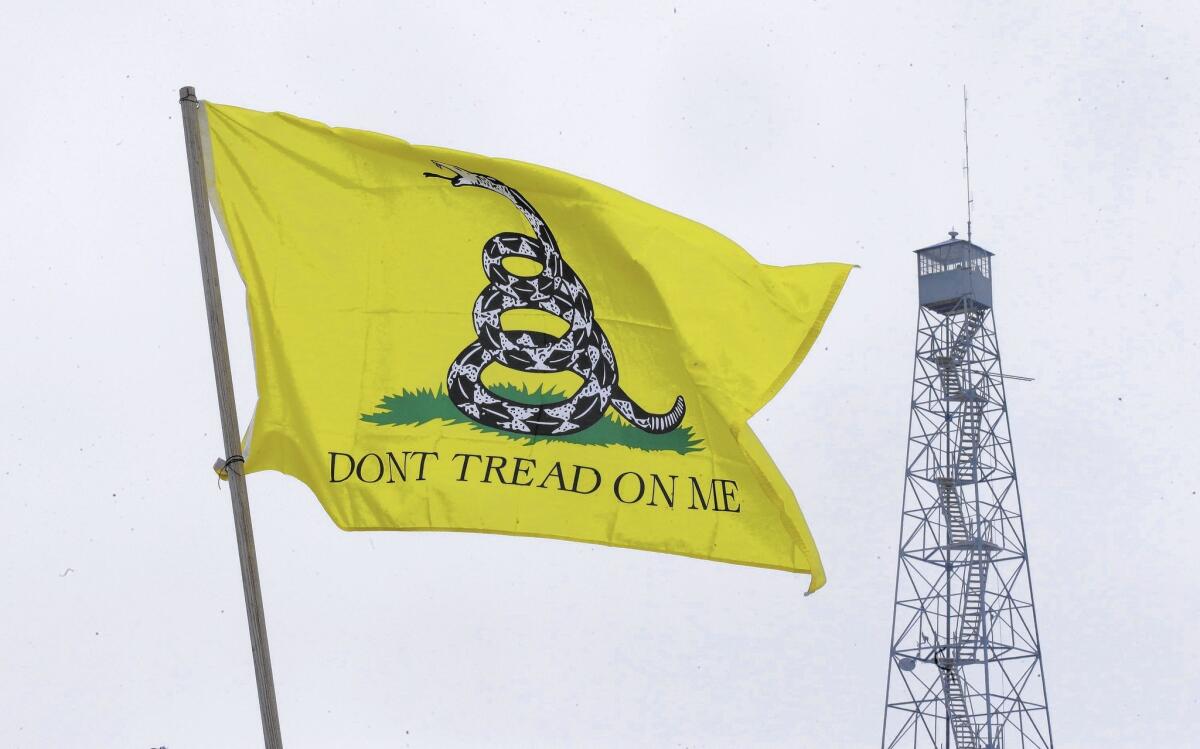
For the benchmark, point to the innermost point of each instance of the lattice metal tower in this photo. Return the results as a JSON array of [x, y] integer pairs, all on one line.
[[965, 668]]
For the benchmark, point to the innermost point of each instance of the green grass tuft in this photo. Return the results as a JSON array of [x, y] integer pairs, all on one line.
[[422, 406]]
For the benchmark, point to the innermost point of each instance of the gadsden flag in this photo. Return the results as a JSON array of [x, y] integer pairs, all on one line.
[[444, 341]]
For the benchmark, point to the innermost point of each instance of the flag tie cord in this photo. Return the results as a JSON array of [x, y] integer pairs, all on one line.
[[222, 466]]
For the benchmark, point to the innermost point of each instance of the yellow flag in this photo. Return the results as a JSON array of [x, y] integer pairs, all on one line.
[[444, 341]]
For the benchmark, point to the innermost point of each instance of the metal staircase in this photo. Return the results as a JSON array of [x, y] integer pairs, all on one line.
[[948, 364], [968, 438], [952, 508], [962, 534], [970, 625], [960, 720]]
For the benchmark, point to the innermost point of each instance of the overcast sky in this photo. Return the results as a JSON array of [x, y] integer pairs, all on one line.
[[804, 131]]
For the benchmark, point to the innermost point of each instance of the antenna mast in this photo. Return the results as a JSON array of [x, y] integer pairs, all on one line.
[[967, 162]]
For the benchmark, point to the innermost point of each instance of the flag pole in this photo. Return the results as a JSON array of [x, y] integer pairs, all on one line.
[[267, 708]]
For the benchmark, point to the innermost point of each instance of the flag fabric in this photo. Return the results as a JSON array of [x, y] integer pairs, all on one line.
[[444, 341]]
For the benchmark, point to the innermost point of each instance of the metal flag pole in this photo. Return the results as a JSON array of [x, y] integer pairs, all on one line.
[[229, 423]]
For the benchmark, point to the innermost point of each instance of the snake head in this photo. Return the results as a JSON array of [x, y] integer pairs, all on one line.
[[462, 177]]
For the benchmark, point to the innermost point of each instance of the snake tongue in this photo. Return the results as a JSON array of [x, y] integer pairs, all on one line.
[[461, 176]]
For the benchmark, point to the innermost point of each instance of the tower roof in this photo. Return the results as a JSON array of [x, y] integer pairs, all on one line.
[[954, 248]]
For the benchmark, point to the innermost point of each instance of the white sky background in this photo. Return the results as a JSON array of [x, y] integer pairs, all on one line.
[[804, 131]]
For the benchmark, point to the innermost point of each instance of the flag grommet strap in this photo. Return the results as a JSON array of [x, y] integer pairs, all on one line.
[[223, 465]]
